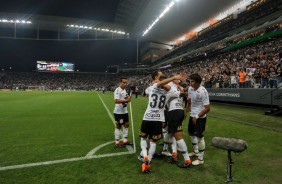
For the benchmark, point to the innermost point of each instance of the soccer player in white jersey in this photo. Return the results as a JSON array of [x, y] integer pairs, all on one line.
[[159, 93], [199, 105], [120, 112], [175, 117]]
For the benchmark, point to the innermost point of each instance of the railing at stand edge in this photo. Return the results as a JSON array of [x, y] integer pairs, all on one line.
[[271, 95]]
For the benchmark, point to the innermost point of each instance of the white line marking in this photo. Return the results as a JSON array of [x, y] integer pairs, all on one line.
[[130, 149], [112, 118], [89, 155], [92, 152], [132, 126], [62, 161]]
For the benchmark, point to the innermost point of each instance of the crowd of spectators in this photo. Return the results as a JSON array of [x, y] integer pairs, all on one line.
[[57, 81], [255, 66], [224, 30]]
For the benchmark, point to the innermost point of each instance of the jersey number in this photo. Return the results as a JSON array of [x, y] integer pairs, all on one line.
[[155, 102]]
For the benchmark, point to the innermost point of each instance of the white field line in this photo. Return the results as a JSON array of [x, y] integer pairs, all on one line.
[[132, 127], [109, 113], [62, 161], [92, 152], [89, 155]]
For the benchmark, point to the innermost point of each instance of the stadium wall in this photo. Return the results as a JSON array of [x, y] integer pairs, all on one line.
[[250, 96]]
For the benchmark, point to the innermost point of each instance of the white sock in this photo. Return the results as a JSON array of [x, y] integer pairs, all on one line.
[[165, 148], [194, 141], [125, 134], [166, 139], [116, 134], [164, 130], [143, 145], [173, 145], [201, 155], [202, 146], [183, 147], [152, 150]]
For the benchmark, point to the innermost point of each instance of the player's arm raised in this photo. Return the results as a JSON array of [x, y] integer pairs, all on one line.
[[165, 81]]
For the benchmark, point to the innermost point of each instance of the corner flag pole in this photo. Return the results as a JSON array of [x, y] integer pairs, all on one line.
[[131, 117]]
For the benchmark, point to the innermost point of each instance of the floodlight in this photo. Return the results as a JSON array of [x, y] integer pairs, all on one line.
[[171, 4]]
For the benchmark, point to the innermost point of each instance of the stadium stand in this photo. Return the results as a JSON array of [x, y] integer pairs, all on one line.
[[217, 53]]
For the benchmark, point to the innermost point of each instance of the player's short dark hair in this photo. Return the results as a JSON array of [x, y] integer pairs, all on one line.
[[120, 79], [196, 77], [155, 74]]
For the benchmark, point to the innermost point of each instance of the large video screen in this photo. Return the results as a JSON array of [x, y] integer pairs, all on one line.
[[53, 66]]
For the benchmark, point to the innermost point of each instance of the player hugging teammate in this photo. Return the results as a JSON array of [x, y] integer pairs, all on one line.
[[159, 94]]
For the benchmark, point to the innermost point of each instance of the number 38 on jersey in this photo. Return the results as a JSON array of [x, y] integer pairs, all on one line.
[[157, 101]]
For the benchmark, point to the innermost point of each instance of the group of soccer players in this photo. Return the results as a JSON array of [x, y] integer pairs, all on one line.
[[166, 93]]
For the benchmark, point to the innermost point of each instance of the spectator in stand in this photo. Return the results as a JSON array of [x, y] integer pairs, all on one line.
[[257, 78], [273, 78], [226, 83], [233, 80], [249, 78], [264, 80], [242, 78]]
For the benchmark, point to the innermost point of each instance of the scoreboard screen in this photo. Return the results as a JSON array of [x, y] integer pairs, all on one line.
[[53, 66]]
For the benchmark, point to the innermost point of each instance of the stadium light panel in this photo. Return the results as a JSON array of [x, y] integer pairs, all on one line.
[[231, 10], [169, 6], [15, 21], [99, 29]]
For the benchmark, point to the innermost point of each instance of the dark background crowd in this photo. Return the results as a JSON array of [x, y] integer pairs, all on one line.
[[260, 64]]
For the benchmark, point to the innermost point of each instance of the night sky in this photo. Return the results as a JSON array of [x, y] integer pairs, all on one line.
[[103, 10], [88, 55]]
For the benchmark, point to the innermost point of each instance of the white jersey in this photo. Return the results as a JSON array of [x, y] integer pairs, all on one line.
[[175, 103], [199, 99], [120, 94], [158, 98], [148, 90]]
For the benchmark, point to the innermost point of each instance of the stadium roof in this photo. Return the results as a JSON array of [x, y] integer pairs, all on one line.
[[130, 16]]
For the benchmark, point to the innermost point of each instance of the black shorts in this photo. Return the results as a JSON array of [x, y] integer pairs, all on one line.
[[151, 129], [175, 118], [121, 118], [199, 128], [165, 115]]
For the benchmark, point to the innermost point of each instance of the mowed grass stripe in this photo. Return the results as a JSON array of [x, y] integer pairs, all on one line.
[[260, 163], [51, 126]]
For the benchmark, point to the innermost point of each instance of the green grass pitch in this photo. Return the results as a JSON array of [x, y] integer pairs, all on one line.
[[36, 127]]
